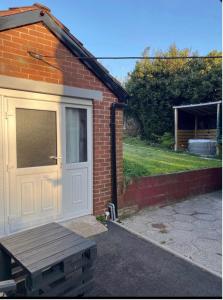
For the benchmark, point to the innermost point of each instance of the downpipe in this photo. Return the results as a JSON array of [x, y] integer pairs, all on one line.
[[114, 208]]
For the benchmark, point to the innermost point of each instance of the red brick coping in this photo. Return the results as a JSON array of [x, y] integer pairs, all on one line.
[[153, 190]]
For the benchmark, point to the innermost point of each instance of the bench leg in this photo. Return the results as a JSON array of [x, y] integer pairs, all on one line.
[[5, 266]]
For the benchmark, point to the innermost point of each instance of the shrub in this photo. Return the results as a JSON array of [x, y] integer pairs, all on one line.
[[133, 169], [167, 140], [131, 127]]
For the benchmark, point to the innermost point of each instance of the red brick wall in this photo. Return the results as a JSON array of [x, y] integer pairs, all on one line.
[[16, 62], [154, 190]]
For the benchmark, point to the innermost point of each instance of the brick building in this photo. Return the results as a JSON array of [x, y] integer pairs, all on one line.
[[55, 135]]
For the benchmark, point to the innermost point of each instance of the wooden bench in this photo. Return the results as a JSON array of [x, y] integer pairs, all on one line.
[[49, 260]]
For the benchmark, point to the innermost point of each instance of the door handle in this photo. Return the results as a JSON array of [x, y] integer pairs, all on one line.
[[58, 159], [55, 157]]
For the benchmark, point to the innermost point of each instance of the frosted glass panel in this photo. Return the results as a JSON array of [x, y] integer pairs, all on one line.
[[36, 137], [76, 135]]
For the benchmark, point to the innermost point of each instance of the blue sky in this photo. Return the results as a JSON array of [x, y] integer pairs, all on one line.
[[127, 27]]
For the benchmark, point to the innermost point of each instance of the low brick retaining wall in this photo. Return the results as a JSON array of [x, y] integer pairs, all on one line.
[[152, 190]]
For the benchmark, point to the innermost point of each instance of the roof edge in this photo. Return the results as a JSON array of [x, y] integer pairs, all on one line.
[[198, 105], [41, 15]]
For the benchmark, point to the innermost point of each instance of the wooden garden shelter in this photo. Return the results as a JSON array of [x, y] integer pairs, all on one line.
[[197, 121]]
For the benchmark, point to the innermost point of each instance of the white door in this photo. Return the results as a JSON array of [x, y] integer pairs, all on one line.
[[34, 165], [77, 160]]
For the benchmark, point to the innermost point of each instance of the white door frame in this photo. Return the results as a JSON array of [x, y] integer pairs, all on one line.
[[80, 103]]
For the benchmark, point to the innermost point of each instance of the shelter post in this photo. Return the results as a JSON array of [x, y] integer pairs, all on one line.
[[195, 126], [176, 128], [218, 129]]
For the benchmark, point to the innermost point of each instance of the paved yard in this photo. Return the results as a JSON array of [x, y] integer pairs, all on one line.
[[128, 266], [191, 228]]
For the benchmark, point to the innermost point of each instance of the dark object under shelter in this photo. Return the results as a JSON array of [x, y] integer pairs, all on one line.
[[197, 121]]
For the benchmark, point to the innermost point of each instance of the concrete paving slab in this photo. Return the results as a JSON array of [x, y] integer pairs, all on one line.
[[191, 228], [86, 226]]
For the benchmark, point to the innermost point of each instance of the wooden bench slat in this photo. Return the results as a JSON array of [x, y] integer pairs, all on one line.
[[70, 282], [49, 249], [37, 242], [30, 233], [74, 250], [78, 291], [46, 254], [7, 286]]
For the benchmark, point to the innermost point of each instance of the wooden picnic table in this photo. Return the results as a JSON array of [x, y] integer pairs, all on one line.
[[48, 260]]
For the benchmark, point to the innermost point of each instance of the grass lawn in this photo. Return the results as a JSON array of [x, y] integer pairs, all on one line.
[[141, 159]]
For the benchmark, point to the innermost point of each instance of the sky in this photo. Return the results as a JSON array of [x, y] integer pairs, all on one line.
[[127, 27]]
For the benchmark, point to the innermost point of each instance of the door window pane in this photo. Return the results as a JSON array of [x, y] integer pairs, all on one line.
[[36, 137], [76, 135]]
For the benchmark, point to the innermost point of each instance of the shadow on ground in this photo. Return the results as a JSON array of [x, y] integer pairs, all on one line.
[[128, 266]]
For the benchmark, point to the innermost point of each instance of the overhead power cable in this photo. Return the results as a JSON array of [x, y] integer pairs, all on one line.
[[40, 56]]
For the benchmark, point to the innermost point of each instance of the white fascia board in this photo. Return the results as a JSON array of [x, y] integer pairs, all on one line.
[[21, 84]]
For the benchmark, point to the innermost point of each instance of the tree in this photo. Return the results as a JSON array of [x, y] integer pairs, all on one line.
[[155, 86]]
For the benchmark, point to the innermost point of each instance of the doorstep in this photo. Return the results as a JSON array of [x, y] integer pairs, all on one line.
[[86, 226]]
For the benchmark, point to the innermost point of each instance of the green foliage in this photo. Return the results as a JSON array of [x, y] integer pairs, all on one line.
[[133, 169], [167, 140], [101, 219], [134, 141], [141, 159], [155, 86]]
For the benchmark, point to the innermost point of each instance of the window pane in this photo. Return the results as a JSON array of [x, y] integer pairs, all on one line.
[[36, 137], [76, 135]]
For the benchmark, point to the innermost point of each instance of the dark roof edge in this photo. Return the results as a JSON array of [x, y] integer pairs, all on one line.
[[35, 16]]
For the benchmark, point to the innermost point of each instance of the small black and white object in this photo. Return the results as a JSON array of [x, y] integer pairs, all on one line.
[[111, 208]]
